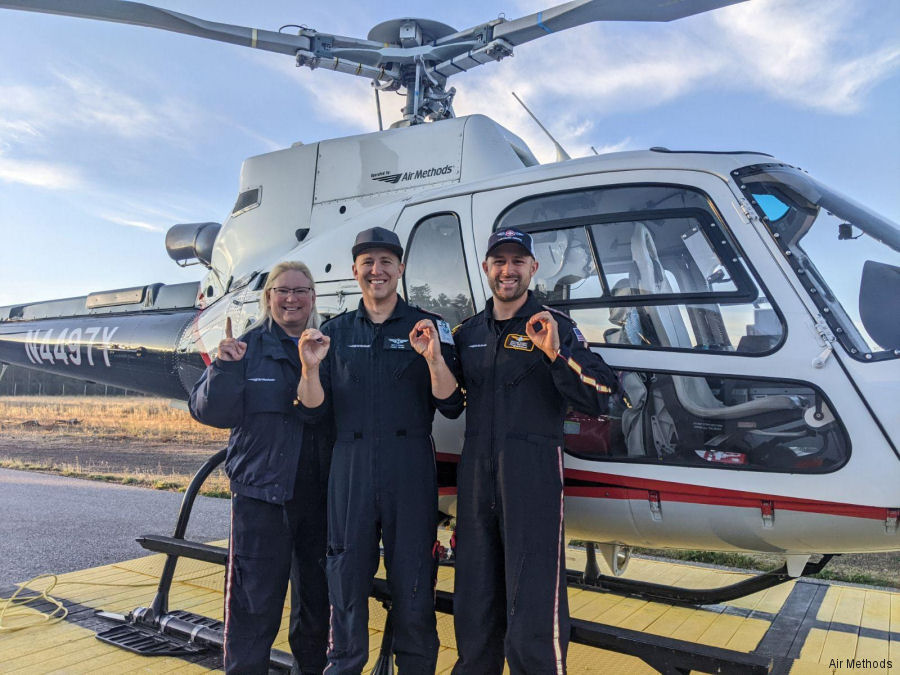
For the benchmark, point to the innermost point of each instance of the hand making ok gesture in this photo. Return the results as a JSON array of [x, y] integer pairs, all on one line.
[[313, 347], [544, 333], [425, 340]]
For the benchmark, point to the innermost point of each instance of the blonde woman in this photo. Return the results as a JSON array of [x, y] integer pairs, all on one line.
[[278, 468]]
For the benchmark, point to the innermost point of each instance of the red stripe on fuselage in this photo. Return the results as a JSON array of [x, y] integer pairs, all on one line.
[[614, 486], [195, 330]]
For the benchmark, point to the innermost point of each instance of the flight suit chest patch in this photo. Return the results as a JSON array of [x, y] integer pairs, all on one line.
[[397, 344], [521, 343]]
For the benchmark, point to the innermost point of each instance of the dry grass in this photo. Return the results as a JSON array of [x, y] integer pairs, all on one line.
[[214, 486], [133, 441], [124, 418]]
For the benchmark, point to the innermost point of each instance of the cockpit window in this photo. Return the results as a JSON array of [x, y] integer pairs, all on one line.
[[648, 266], [773, 207], [847, 257], [714, 422]]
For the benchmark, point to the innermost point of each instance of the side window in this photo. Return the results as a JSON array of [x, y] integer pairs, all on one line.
[[435, 277], [712, 421], [645, 266]]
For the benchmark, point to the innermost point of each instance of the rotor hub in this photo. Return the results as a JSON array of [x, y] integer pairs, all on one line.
[[409, 32]]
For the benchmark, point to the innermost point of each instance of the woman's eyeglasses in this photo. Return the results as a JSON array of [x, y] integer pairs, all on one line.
[[282, 292]]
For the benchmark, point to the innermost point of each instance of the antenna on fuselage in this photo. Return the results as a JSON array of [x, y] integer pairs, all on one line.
[[561, 154]]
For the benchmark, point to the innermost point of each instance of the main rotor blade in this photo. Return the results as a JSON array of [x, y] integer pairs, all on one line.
[[139, 14], [580, 12]]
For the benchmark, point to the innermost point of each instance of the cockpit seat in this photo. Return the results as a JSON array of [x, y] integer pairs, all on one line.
[[694, 394], [565, 261]]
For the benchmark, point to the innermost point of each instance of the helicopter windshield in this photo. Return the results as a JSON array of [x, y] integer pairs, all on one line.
[[847, 257]]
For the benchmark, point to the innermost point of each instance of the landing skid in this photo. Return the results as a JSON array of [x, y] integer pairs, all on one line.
[[592, 579], [155, 630]]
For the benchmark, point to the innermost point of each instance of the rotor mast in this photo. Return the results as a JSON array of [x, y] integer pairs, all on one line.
[[412, 43]]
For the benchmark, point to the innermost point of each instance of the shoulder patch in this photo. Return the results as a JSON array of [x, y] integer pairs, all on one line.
[[461, 323], [557, 312], [433, 315], [568, 319], [332, 318]]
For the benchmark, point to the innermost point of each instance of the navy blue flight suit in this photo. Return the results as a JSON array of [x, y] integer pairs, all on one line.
[[383, 483], [278, 468], [510, 588]]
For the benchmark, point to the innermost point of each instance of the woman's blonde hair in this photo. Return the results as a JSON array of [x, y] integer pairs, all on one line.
[[285, 266]]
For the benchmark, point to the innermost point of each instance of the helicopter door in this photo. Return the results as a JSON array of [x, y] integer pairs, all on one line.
[[436, 237], [681, 296]]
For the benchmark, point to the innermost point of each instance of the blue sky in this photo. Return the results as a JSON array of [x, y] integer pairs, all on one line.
[[109, 133]]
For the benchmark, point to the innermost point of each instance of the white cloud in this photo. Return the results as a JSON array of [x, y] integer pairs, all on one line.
[[39, 174], [129, 222], [341, 99], [82, 102], [802, 52], [154, 212], [333, 96]]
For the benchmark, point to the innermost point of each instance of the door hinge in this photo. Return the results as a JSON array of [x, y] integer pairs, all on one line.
[[767, 509], [890, 522], [748, 211], [826, 337], [655, 506]]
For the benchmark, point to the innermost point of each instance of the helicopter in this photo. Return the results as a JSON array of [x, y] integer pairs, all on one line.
[[755, 411]]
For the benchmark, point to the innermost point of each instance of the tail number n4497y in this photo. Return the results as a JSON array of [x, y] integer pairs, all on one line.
[[42, 347]]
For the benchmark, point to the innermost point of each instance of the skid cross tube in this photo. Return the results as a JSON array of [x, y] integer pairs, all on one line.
[[691, 596], [185, 627], [667, 655], [160, 605]]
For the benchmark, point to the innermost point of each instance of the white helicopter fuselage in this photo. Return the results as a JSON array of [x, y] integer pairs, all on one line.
[[801, 459]]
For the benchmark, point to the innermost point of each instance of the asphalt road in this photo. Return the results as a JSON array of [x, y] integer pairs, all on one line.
[[51, 524]]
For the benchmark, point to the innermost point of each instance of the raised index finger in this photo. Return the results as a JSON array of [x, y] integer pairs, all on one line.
[[228, 328]]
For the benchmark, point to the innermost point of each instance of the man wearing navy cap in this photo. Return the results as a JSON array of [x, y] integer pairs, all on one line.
[[523, 366], [380, 372]]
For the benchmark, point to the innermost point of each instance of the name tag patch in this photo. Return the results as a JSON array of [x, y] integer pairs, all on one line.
[[521, 342], [397, 343], [444, 332], [261, 379]]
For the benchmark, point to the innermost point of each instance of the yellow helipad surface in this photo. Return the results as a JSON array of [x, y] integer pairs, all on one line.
[[808, 627]]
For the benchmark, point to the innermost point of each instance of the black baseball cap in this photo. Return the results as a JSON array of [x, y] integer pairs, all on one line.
[[377, 237], [510, 236]]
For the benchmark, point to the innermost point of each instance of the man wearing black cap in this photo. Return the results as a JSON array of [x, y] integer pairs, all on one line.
[[380, 372], [523, 366]]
